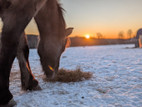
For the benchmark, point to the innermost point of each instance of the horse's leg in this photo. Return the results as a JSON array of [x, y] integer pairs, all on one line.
[[14, 22], [27, 79]]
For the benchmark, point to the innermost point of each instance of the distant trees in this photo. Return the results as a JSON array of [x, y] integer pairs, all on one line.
[[129, 33], [121, 35], [99, 35]]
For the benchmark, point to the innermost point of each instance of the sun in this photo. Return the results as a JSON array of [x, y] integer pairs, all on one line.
[[87, 36]]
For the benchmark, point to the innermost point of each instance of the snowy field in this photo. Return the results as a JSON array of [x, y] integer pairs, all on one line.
[[116, 82]]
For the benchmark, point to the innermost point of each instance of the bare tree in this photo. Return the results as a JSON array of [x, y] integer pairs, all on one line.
[[99, 35], [121, 35], [129, 33]]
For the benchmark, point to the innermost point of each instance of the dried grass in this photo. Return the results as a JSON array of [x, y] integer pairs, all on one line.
[[64, 75]]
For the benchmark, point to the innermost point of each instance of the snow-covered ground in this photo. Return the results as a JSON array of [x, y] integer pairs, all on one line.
[[116, 82]]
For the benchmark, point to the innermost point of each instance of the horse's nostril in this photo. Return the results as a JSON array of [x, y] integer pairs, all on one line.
[[50, 72]]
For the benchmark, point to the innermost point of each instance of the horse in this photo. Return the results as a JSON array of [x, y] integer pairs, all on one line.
[[15, 15]]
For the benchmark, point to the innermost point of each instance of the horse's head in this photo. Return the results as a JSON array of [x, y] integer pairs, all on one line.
[[50, 53], [53, 36]]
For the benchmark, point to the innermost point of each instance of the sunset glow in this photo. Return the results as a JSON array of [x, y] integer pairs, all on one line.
[[99, 16], [87, 36]]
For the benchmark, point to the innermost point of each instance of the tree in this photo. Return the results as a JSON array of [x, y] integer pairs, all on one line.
[[121, 35], [99, 35], [129, 33]]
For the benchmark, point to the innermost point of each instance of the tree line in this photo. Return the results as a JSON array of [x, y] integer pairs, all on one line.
[[121, 35]]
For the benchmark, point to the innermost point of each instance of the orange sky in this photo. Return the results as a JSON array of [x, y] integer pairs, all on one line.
[[107, 30], [107, 17]]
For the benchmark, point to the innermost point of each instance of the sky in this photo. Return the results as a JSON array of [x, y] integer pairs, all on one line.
[[108, 17]]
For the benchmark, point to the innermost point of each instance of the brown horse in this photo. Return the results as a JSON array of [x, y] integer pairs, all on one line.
[[16, 14]]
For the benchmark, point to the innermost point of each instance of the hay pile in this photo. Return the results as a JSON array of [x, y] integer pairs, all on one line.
[[64, 75]]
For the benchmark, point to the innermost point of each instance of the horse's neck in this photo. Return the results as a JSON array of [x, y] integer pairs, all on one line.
[[48, 20]]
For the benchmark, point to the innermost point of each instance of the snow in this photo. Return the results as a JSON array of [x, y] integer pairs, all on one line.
[[116, 82]]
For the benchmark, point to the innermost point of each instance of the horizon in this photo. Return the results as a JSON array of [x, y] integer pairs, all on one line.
[[108, 18], [92, 37]]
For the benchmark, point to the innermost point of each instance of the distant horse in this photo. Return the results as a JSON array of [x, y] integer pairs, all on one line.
[[16, 14], [137, 38]]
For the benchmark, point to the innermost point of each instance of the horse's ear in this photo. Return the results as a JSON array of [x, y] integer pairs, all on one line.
[[69, 31]]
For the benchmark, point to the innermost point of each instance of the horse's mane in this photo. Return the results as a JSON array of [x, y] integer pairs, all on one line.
[[61, 18], [61, 12]]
